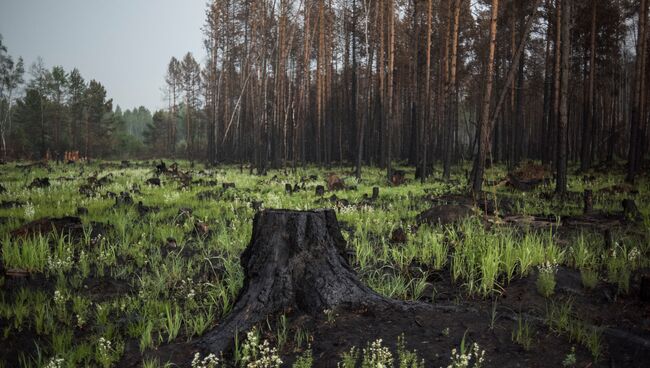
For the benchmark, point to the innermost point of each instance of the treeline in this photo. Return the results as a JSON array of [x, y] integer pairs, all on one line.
[[420, 81], [45, 112]]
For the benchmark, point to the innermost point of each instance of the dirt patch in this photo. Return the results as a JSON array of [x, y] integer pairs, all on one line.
[[64, 225], [445, 214], [528, 177], [334, 182], [39, 183]]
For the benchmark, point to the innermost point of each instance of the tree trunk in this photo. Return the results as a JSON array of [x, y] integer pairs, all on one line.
[[424, 131], [555, 117], [390, 89], [452, 109], [294, 261], [587, 133], [543, 150], [514, 67], [484, 122], [637, 115], [361, 132], [561, 177]]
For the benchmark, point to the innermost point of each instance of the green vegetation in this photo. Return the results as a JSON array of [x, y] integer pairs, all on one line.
[[157, 278]]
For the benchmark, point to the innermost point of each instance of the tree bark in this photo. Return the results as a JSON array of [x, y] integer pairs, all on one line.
[[637, 116], [561, 176], [424, 131], [484, 122], [587, 131], [452, 109], [294, 261], [390, 89]]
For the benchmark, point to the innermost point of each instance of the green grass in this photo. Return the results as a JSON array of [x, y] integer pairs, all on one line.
[[130, 285]]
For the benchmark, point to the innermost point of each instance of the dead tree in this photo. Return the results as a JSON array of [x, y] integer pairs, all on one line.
[[295, 261], [638, 108], [561, 175], [484, 122]]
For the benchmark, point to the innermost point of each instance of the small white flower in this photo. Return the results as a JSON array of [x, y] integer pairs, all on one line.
[[30, 211], [55, 363]]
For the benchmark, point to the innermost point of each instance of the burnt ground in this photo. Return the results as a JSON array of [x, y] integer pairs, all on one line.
[[622, 319], [434, 331]]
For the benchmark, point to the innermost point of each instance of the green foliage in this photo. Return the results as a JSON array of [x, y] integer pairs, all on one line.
[[406, 358], [522, 334], [560, 318], [159, 292], [589, 277], [546, 279], [305, 360], [349, 358], [172, 321]]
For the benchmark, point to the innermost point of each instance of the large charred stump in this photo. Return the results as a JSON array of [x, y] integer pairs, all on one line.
[[295, 261]]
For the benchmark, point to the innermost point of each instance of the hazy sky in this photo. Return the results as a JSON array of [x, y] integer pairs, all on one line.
[[124, 44]]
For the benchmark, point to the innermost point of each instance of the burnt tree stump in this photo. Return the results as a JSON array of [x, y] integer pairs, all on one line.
[[153, 182], [320, 190], [375, 193], [588, 197], [295, 261], [631, 211], [644, 292]]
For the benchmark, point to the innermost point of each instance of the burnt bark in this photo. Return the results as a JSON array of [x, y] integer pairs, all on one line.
[[295, 261]]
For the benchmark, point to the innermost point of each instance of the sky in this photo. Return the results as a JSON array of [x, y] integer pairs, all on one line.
[[124, 44]]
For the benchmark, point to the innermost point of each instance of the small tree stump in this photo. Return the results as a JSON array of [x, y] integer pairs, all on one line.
[[288, 188], [398, 236], [320, 190], [227, 185], [630, 210], [161, 168], [124, 199], [153, 182], [375, 193], [588, 201], [40, 183]]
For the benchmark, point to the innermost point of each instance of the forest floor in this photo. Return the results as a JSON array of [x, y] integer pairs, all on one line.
[[129, 264]]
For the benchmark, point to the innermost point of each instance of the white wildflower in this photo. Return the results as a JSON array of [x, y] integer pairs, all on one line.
[[30, 211], [210, 361], [55, 363]]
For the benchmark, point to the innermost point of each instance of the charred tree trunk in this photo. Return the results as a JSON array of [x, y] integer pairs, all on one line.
[[548, 86], [561, 176], [484, 122], [637, 114], [588, 123], [424, 127], [295, 261]]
